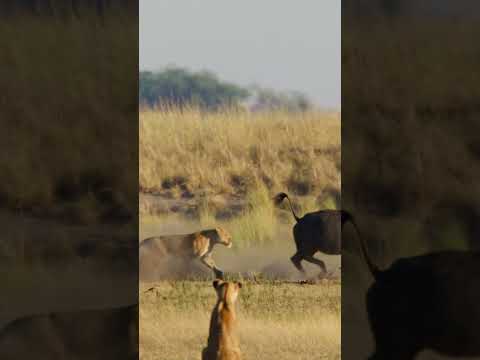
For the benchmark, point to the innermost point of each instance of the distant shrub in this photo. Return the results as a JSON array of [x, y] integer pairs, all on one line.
[[268, 99], [180, 87]]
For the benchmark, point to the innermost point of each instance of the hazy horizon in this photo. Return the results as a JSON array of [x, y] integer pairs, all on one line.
[[284, 46]]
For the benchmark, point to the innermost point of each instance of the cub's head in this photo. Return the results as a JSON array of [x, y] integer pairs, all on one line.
[[219, 236], [227, 291]]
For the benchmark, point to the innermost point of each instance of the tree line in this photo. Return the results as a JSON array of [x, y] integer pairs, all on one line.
[[181, 87]]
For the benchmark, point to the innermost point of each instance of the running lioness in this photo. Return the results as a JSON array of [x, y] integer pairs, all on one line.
[[198, 245]]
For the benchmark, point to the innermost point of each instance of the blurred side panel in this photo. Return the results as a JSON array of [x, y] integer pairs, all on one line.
[[69, 179], [410, 164]]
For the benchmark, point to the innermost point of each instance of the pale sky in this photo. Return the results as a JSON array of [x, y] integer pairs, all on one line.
[[280, 44]]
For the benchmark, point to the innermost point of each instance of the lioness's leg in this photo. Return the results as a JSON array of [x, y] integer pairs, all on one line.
[[296, 260], [315, 261], [208, 261]]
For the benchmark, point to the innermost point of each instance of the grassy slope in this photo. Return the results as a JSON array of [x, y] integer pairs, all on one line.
[[231, 151]]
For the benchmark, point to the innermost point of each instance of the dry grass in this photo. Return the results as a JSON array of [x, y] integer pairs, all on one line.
[[276, 320], [188, 153]]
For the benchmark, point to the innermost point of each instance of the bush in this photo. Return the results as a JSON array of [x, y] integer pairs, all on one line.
[[179, 87]]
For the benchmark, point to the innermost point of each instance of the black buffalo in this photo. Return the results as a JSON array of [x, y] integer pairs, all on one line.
[[316, 231]]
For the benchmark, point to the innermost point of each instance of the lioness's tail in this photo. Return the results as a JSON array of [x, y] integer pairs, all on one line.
[[279, 198], [346, 216]]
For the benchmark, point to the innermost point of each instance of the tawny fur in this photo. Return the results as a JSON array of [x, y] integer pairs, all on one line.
[[222, 339], [198, 245]]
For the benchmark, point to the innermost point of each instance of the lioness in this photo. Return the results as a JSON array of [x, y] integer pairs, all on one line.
[[222, 339], [198, 245]]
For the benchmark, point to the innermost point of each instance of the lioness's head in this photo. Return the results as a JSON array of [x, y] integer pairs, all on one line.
[[219, 236], [227, 291]]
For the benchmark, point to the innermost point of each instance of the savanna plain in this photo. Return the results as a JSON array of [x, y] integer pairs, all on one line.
[[201, 170]]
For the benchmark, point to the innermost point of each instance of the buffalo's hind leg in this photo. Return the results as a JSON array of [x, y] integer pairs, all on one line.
[[315, 261], [297, 261]]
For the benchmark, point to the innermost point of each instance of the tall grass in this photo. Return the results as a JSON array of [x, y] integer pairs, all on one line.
[[255, 225], [187, 151]]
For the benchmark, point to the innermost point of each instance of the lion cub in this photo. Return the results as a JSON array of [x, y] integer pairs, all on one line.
[[222, 339]]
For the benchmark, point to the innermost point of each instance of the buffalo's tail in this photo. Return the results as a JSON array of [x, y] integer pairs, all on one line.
[[374, 270]]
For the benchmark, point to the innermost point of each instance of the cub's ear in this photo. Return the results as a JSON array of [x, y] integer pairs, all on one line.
[[217, 283], [239, 284]]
